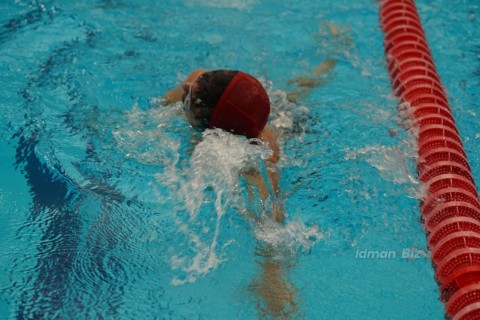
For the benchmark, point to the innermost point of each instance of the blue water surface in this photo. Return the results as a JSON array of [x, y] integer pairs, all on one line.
[[100, 208]]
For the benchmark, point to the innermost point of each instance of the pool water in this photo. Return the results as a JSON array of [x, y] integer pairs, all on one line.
[[113, 207]]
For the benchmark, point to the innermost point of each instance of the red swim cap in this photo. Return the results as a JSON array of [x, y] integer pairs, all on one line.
[[243, 107]]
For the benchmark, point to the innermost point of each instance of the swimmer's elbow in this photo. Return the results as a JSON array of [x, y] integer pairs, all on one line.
[[274, 157]]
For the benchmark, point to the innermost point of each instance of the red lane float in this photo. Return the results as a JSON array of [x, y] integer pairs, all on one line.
[[451, 209]]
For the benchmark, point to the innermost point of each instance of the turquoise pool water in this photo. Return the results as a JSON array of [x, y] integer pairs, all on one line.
[[113, 207]]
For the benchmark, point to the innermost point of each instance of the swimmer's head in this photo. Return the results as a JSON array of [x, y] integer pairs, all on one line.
[[231, 100]]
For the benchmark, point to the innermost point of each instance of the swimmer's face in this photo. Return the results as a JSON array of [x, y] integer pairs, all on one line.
[[190, 87]]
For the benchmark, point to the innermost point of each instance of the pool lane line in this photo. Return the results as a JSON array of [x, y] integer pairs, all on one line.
[[450, 210]]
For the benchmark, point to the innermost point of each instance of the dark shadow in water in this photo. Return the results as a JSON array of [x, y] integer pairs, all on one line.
[[40, 14], [57, 206], [54, 198]]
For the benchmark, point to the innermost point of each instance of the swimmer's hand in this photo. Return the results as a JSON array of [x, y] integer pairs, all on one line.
[[323, 68], [307, 83], [315, 80], [304, 84]]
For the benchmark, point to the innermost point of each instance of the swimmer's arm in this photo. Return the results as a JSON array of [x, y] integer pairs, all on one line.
[[268, 136], [255, 178], [275, 288]]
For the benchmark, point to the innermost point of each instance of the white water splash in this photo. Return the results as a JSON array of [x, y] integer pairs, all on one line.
[[146, 140], [202, 188], [292, 238], [392, 163], [215, 167], [216, 163]]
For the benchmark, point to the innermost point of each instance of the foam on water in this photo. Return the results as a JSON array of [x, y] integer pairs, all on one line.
[[391, 161], [208, 187], [395, 163], [142, 138], [292, 238]]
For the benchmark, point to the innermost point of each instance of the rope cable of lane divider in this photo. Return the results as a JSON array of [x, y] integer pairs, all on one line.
[[451, 208]]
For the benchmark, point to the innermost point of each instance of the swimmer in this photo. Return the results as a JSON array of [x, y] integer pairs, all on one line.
[[235, 102]]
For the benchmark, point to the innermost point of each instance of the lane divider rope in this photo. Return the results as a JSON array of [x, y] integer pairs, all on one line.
[[451, 208]]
